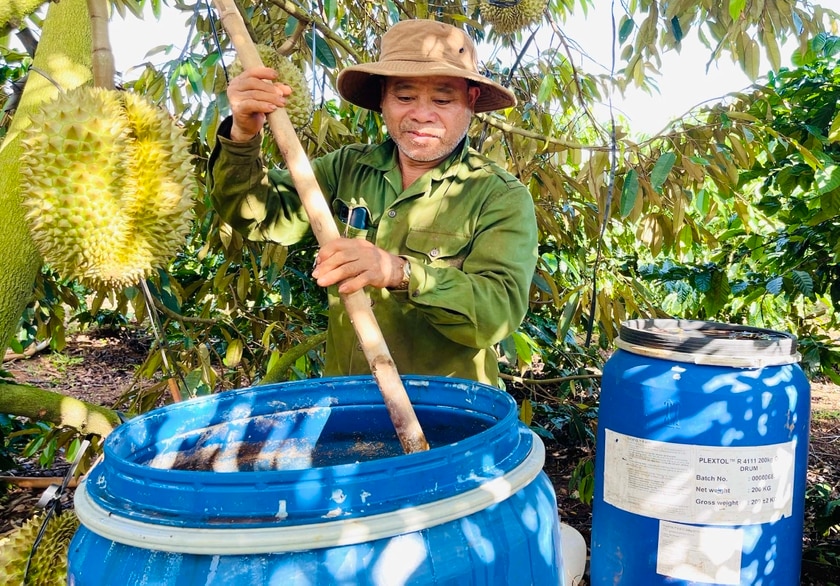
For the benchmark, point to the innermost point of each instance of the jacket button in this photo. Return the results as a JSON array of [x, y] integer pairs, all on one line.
[[392, 213], [434, 252]]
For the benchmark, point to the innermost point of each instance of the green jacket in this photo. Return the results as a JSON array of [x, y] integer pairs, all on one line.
[[467, 227]]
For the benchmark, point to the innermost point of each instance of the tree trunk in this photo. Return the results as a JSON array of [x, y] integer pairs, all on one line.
[[64, 58]]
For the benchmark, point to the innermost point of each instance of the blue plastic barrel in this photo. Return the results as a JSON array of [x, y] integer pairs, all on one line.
[[701, 457], [305, 483]]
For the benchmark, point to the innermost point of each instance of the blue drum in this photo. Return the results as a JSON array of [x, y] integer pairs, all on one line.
[[305, 483], [701, 457]]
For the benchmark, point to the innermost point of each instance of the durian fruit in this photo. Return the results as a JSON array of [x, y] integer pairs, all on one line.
[[13, 11], [49, 564], [509, 16], [299, 104], [107, 185]]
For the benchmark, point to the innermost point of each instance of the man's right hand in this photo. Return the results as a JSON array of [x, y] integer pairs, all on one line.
[[252, 95]]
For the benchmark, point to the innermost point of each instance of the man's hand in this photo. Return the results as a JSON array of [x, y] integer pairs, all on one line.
[[355, 263], [252, 95]]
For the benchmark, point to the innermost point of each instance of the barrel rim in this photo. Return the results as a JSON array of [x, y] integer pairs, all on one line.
[[196, 498], [708, 342], [278, 538]]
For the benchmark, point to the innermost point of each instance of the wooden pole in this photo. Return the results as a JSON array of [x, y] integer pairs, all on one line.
[[323, 225]]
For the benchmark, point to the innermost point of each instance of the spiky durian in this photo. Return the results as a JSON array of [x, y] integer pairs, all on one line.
[[12, 11], [49, 564], [508, 16], [299, 104], [107, 184]]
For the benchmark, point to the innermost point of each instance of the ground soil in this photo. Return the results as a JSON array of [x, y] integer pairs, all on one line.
[[100, 369]]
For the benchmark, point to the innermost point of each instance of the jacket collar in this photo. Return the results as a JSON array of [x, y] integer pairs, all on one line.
[[384, 158]]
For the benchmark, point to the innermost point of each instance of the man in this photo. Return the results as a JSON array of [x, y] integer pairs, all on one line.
[[444, 240]]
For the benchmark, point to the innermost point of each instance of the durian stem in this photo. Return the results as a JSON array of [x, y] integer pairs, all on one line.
[[103, 58], [320, 218]]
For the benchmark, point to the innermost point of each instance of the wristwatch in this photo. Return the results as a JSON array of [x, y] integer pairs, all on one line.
[[406, 278]]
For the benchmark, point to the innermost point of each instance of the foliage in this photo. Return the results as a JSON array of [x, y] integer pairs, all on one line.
[[11, 445], [771, 259], [821, 505], [819, 499], [582, 481]]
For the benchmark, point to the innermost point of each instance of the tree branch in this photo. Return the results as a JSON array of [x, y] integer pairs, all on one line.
[[565, 144], [43, 405], [294, 10], [547, 381]]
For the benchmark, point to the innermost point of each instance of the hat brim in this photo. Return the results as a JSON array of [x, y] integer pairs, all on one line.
[[355, 85]]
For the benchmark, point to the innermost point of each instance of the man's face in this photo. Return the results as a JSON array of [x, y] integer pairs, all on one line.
[[427, 116]]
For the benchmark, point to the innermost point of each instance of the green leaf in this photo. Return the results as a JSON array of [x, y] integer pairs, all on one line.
[[195, 383], [72, 450], [330, 9], [718, 293], [541, 283], [165, 292], [702, 202], [33, 447], [547, 86], [774, 286], [834, 130], [523, 347], [819, 42], [827, 179], [626, 28], [803, 281], [629, 193], [508, 348], [48, 455], [323, 52], [526, 412], [702, 282], [661, 169], [568, 314], [736, 7]]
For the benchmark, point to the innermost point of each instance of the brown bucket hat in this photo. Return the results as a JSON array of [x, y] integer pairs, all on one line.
[[419, 48]]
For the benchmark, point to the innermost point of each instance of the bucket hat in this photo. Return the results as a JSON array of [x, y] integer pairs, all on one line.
[[420, 48]]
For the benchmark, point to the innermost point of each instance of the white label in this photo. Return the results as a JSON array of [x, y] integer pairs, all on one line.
[[712, 485], [700, 554]]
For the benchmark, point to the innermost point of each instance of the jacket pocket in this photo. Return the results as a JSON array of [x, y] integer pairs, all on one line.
[[439, 248], [353, 221]]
